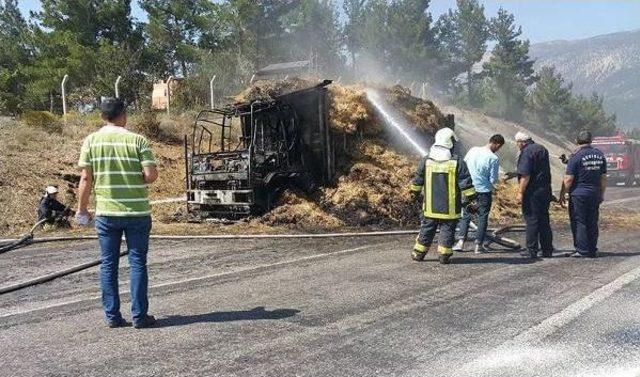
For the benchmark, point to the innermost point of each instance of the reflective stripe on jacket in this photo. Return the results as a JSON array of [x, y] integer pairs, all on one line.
[[443, 183]]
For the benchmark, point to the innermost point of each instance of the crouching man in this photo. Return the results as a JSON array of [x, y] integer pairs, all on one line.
[[51, 211], [446, 186]]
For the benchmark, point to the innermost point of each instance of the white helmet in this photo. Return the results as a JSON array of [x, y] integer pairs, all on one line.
[[51, 189], [445, 137]]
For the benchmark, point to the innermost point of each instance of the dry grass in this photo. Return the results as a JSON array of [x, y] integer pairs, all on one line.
[[33, 157]]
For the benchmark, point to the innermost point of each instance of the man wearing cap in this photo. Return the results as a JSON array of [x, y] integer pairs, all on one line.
[[118, 165], [534, 193], [445, 184], [51, 211], [586, 181]]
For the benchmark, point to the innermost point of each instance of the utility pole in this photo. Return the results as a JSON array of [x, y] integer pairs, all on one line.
[[169, 92], [64, 97], [117, 85], [211, 91]]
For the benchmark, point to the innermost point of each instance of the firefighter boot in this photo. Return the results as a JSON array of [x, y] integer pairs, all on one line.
[[418, 256], [445, 254], [419, 251], [444, 258]]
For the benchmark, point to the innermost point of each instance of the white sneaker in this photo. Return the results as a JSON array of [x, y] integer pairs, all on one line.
[[459, 246], [480, 249]]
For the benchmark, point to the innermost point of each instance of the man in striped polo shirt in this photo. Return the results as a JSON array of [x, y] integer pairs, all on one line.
[[118, 165]]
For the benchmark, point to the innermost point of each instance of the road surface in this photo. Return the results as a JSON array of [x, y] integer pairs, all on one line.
[[337, 307]]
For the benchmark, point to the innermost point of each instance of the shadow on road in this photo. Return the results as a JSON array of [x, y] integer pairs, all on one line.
[[498, 260], [240, 315], [606, 254]]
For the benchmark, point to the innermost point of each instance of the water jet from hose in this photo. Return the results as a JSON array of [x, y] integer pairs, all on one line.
[[393, 120]]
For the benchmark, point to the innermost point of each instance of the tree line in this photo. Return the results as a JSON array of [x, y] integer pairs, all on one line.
[[465, 56]]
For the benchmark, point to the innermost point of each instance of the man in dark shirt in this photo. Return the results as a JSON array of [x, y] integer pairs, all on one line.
[[586, 181], [534, 179], [51, 211]]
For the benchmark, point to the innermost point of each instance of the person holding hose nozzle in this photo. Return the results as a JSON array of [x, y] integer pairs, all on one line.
[[443, 183], [585, 180], [118, 165], [534, 183]]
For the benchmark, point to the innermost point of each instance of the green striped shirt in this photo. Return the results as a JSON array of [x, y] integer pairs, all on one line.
[[116, 158]]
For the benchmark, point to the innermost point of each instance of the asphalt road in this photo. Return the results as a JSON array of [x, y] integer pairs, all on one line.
[[337, 307]]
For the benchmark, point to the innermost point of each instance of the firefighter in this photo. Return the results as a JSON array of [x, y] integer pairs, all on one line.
[[586, 182], [534, 183], [446, 186], [52, 211]]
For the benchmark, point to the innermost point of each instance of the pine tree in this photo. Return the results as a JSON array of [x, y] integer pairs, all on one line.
[[590, 115], [472, 29], [510, 69], [174, 31], [314, 30], [550, 101], [412, 49], [15, 54], [257, 33], [90, 21], [450, 49], [354, 11], [374, 35]]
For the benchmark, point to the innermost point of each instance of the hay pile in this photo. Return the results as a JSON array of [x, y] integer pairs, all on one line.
[[371, 186], [349, 110], [424, 115], [266, 90], [505, 203]]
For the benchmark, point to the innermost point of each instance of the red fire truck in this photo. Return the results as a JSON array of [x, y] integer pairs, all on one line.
[[623, 158]]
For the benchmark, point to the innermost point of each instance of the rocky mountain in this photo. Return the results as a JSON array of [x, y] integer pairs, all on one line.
[[608, 64]]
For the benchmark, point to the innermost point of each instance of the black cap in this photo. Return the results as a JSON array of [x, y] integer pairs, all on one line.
[[584, 137], [111, 108]]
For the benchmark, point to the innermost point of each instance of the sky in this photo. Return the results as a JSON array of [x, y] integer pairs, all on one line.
[[541, 20]]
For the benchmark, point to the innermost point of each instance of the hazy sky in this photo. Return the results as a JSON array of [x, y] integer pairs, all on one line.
[[541, 20]]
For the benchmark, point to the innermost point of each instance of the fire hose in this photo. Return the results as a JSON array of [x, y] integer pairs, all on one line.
[[494, 236]]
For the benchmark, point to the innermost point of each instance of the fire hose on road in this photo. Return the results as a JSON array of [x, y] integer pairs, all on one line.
[[494, 236]]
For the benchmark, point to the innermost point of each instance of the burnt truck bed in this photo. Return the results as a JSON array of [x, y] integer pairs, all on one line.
[[239, 158]]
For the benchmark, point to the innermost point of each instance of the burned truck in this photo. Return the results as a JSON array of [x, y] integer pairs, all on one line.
[[241, 157]]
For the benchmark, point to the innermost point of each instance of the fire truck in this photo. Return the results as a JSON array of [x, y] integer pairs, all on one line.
[[623, 158]]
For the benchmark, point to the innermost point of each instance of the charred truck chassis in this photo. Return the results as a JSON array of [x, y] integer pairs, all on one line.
[[263, 147]]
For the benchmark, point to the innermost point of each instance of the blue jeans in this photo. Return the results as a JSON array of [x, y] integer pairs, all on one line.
[[484, 200], [136, 231]]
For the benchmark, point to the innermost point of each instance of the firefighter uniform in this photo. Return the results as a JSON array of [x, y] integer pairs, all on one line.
[[445, 184], [533, 161], [587, 166]]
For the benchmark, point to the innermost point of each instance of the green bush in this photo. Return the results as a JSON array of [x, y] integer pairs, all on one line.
[[42, 119]]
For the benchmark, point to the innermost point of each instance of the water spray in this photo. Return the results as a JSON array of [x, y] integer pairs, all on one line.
[[393, 120]]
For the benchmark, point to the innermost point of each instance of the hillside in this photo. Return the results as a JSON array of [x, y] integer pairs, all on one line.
[[608, 64], [475, 128]]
